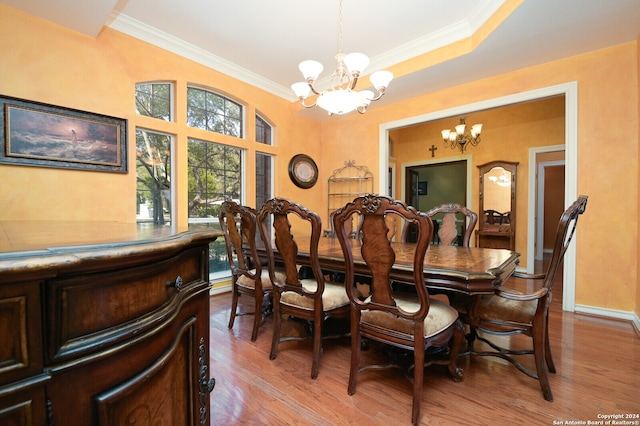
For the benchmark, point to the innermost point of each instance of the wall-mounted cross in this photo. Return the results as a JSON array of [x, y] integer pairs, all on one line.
[[433, 150]]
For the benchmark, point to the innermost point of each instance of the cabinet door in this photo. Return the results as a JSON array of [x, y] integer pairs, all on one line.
[[23, 407], [159, 394], [159, 378], [20, 331]]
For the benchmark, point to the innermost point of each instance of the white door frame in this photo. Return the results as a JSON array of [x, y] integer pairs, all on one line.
[[570, 92]]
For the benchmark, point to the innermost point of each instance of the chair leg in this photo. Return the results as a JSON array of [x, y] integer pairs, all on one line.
[[317, 348], [539, 337], [454, 350], [356, 348], [257, 315], [277, 320], [547, 348], [234, 304], [418, 381]]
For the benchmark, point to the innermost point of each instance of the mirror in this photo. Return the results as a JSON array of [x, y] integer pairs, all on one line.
[[497, 205]]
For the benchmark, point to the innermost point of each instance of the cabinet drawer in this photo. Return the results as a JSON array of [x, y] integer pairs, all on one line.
[[20, 331], [93, 311]]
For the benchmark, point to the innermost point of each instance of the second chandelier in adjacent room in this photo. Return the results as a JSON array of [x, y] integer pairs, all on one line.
[[460, 137]]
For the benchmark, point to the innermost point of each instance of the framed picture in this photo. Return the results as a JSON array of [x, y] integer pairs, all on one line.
[[422, 188], [41, 135]]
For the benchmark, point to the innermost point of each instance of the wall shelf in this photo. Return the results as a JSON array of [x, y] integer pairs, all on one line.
[[345, 184]]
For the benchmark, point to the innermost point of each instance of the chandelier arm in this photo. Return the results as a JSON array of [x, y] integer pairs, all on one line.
[[313, 89], [307, 106], [475, 141], [381, 93], [354, 82]]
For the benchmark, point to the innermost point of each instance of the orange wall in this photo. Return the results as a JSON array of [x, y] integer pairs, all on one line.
[[47, 63]]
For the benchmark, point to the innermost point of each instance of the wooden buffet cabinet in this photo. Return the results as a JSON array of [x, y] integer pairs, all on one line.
[[104, 324]]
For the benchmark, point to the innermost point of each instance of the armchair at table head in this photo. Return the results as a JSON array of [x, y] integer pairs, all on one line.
[[508, 312], [312, 299], [411, 321], [248, 277]]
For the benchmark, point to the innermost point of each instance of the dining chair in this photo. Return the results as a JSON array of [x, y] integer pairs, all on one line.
[[248, 277], [313, 299], [410, 321], [452, 214], [510, 312]]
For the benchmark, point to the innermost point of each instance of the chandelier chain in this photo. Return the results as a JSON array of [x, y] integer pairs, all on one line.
[[339, 26]]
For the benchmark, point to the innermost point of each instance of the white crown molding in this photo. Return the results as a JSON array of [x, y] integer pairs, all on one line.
[[141, 31], [453, 33], [460, 30]]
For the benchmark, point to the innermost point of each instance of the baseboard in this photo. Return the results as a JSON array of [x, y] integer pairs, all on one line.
[[631, 317], [219, 289]]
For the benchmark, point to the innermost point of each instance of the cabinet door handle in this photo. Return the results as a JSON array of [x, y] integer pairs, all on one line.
[[177, 283]]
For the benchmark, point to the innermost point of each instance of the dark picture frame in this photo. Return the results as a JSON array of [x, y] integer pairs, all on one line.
[[43, 135], [422, 188]]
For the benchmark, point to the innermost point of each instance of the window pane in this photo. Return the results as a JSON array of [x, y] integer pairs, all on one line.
[[154, 100], [263, 131], [210, 111], [153, 171], [215, 173], [263, 178]]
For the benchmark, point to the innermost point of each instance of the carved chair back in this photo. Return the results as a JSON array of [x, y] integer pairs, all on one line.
[[238, 223], [278, 210], [452, 215]]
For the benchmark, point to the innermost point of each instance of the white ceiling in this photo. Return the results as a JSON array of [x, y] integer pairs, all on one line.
[[262, 42]]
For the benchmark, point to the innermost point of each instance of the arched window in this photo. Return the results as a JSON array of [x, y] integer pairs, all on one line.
[[209, 111]]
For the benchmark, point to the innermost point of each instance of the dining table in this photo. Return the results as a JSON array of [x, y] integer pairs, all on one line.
[[466, 270]]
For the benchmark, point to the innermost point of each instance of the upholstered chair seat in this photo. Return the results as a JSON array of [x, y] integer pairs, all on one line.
[[334, 295], [496, 308], [440, 317], [247, 282]]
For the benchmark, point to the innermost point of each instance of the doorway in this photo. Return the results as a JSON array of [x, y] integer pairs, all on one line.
[[430, 185], [570, 92]]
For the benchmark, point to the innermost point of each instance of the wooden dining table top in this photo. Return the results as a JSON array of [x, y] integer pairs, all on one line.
[[468, 270]]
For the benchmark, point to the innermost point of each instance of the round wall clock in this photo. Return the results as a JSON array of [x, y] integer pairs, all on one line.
[[303, 171]]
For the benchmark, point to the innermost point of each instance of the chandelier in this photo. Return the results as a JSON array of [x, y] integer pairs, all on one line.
[[459, 138], [341, 97]]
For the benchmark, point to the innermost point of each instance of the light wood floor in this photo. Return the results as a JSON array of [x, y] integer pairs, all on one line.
[[598, 363]]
